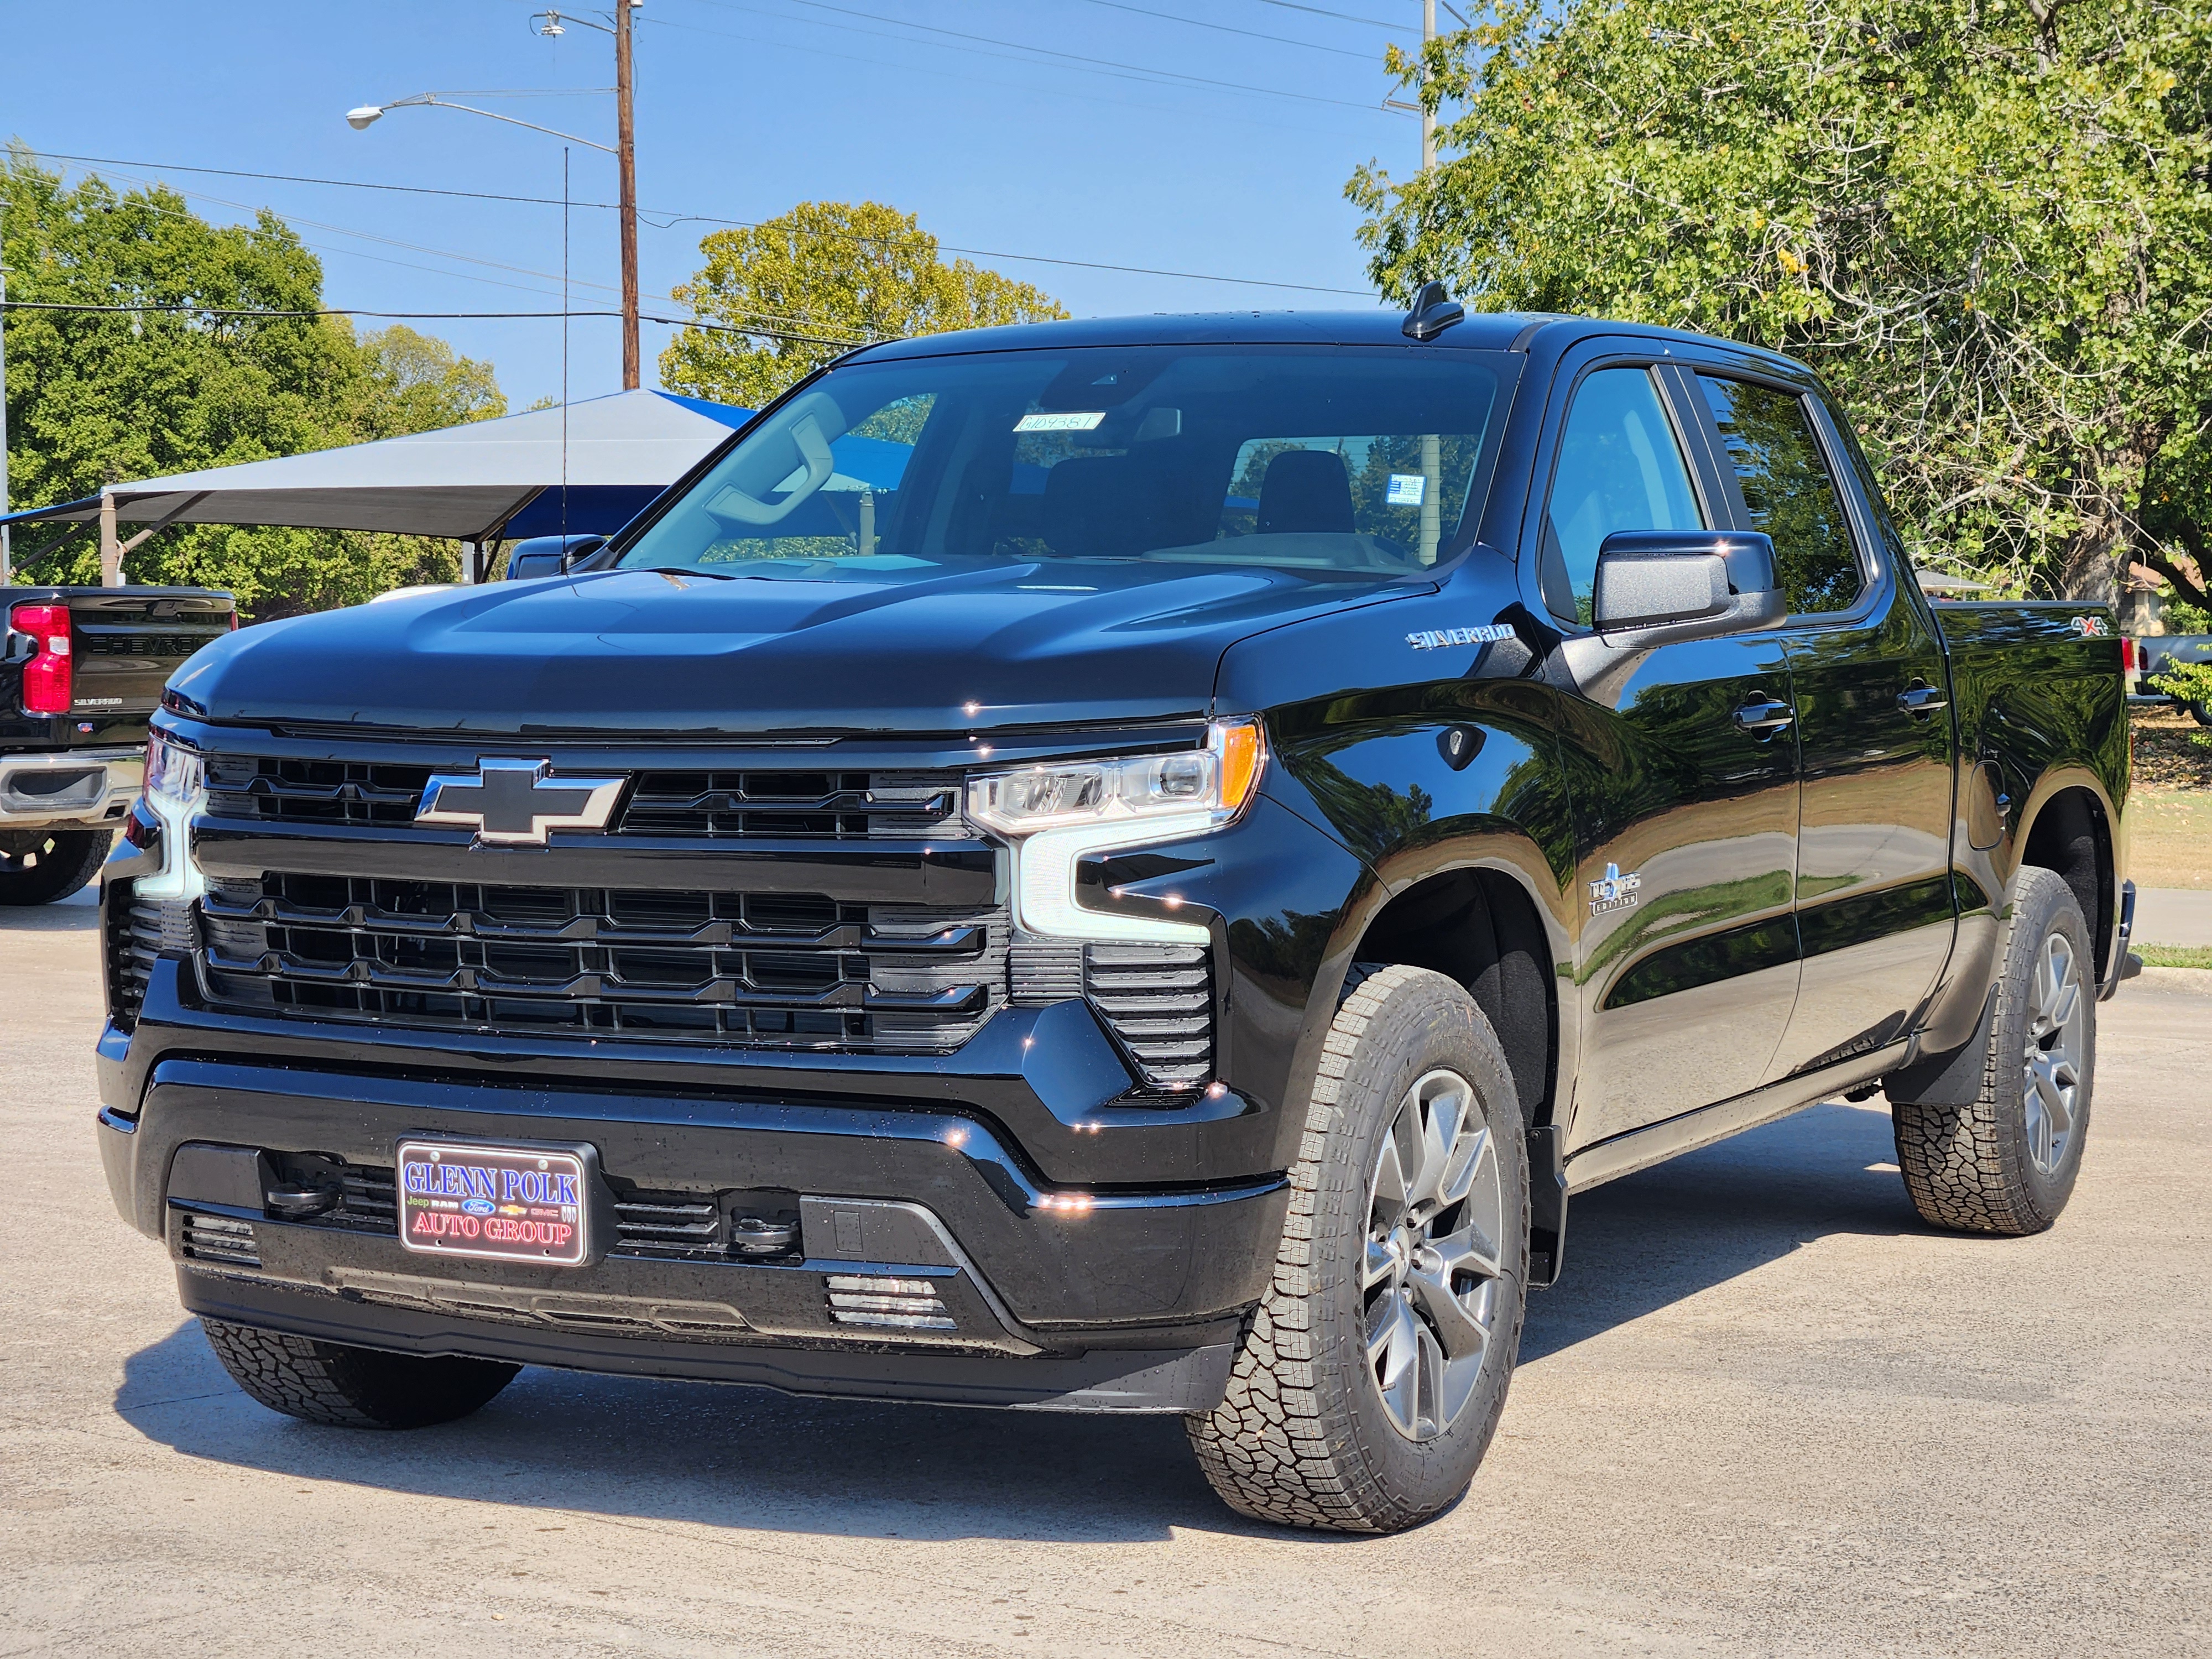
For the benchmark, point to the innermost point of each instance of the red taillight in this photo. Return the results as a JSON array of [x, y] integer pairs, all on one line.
[[48, 675], [2128, 655]]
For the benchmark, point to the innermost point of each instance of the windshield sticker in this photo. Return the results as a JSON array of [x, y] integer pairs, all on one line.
[[1407, 489], [1060, 421]]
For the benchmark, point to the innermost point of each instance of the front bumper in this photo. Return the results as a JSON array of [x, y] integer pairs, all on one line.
[[1054, 1295], [87, 788]]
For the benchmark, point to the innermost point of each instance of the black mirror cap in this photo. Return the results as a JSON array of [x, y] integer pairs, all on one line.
[[1434, 311], [1686, 584], [549, 555]]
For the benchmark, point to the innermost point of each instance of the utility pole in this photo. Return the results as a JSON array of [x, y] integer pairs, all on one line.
[[1428, 115], [626, 163]]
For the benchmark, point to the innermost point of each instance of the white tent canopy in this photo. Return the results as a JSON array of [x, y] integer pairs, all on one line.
[[589, 468]]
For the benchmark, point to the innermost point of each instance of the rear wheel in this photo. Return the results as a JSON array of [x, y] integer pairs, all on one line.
[[1372, 1374], [38, 866], [2006, 1161], [350, 1388]]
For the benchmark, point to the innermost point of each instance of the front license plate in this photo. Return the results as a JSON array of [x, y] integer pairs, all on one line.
[[497, 1203]]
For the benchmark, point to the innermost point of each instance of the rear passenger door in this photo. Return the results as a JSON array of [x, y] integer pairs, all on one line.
[[1681, 769], [1873, 733]]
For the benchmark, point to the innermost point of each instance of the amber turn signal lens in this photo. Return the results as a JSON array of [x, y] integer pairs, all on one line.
[[1242, 752]]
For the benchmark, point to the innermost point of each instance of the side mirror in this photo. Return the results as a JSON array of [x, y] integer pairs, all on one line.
[[1662, 584], [549, 555]]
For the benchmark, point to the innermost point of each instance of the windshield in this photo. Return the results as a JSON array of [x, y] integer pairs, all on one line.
[[1311, 459]]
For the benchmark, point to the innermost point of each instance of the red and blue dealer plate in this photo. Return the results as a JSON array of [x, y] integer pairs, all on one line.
[[494, 1203]]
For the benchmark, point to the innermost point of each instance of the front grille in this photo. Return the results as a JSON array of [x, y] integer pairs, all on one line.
[[887, 1304], [1159, 1000], [780, 805], [313, 791], [748, 970], [218, 1238], [698, 805]]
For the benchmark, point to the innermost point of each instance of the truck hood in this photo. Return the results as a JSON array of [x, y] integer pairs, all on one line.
[[638, 652]]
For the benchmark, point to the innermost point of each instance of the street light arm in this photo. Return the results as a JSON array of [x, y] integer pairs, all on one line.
[[432, 98]]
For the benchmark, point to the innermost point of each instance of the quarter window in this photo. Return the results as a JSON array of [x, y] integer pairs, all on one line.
[[1619, 468], [1788, 492]]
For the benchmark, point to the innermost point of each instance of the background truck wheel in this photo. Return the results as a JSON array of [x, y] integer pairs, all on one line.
[[38, 866], [1373, 1373], [2005, 1162], [353, 1388]]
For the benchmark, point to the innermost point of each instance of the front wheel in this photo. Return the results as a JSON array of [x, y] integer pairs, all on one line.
[[2005, 1162], [1373, 1373], [350, 1388]]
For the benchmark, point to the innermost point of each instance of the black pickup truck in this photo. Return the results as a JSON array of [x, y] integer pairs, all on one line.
[[81, 670], [1109, 866]]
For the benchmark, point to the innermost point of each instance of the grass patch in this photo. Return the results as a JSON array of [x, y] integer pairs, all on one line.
[[2175, 955], [2169, 833]]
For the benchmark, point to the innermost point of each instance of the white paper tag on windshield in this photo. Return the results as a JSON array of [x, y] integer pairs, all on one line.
[[1407, 489], [1060, 421]]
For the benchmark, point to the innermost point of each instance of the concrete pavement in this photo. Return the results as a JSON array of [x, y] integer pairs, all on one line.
[[1768, 1412], [2172, 916]]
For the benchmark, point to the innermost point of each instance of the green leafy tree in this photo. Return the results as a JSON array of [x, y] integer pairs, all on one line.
[[807, 285], [98, 398], [1986, 221]]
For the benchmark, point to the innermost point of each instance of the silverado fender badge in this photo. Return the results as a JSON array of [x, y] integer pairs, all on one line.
[[512, 803], [1434, 639], [2092, 627], [1614, 891]]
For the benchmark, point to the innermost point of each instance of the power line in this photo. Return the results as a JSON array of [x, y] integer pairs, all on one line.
[[412, 316], [1340, 16], [770, 318], [676, 218], [1227, 28], [1095, 65]]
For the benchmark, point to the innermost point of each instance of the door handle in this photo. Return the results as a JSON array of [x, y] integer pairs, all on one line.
[[1763, 716], [1921, 700]]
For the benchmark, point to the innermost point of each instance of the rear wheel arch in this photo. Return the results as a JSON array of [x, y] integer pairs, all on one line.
[[2070, 832]]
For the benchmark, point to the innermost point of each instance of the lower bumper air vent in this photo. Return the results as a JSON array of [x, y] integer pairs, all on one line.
[[898, 1304], [219, 1238]]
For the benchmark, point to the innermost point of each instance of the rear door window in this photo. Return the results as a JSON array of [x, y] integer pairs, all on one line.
[[1788, 492]]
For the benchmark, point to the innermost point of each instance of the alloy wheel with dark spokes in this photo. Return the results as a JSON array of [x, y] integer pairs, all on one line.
[[1436, 1211], [2053, 1060]]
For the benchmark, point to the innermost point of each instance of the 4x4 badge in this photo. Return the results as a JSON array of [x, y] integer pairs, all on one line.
[[1614, 891], [512, 803]]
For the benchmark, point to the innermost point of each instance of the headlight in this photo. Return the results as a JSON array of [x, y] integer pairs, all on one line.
[[1056, 815], [176, 775], [176, 788]]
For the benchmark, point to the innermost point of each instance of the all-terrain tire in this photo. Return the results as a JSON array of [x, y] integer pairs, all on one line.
[[1303, 1437], [1971, 1168], [350, 1388], [38, 868]]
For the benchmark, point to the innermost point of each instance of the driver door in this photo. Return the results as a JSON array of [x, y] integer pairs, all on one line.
[[1682, 771]]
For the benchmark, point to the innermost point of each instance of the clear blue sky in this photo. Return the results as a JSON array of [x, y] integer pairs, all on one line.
[[745, 106]]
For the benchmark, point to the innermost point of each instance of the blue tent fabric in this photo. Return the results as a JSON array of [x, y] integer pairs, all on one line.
[[483, 480]]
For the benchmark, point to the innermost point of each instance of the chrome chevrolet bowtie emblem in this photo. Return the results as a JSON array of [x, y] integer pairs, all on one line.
[[512, 803], [1613, 891]]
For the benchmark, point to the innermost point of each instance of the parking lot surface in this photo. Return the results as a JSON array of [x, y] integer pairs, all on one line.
[[1768, 1412]]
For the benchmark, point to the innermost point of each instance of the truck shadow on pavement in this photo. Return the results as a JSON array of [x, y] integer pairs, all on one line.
[[78, 914], [747, 1458]]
